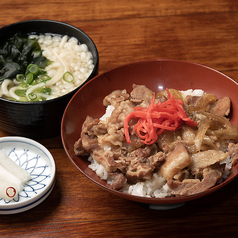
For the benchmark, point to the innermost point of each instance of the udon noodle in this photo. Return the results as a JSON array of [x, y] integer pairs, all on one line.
[[66, 55]]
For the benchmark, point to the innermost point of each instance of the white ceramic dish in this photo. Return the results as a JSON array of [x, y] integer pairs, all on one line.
[[38, 161]]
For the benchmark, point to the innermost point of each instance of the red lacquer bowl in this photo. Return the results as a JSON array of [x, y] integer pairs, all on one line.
[[156, 75]]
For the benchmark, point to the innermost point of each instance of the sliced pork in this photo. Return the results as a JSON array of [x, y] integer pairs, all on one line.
[[176, 160], [141, 95], [221, 107], [115, 98], [192, 186], [206, 158], [233, 150], [190, 159]]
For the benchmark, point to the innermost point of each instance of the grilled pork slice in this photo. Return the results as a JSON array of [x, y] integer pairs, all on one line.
[[211, 175], [177, 160]]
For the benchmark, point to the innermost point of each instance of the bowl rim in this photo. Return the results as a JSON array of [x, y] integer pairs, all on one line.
[[136, 198], [155, 60], [95, 68]]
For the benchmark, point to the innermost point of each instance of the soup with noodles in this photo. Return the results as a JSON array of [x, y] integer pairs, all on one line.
[[69, 64]]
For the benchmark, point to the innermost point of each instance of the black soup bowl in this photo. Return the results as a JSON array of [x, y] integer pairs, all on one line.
[[40, 119]]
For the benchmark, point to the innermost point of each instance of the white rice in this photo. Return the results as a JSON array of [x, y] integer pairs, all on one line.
[[195, 92], [98, 169], [108, 113], [154, 187]]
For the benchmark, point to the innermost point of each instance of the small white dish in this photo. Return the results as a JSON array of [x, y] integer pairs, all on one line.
[[38, 161]]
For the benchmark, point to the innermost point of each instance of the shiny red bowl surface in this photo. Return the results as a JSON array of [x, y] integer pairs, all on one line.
[[156, 75]]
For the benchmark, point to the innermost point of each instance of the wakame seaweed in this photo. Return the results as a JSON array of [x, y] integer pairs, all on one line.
[[17, 53]]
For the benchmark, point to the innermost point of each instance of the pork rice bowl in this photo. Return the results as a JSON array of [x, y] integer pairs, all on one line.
[[160, 144]]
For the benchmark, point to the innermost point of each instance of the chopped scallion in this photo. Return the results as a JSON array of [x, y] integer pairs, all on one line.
[[20, 92], [20, 77], [44, 78], [32, 96], [68, 77], [32, 68], [29, 78], [47, 91], [23, 99], [23, 85]]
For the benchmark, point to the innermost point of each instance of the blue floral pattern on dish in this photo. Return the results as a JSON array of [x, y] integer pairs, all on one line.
[[38, 169]]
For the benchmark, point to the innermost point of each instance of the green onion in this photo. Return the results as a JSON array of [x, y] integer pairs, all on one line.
[[68, 77], [41, 71], [32, 68], [32, 96], [23, 99], [29, 78], [44, 78], [12, 99], [23, 85], [42, 99], [38, 90], [20, 77], [20, 92], [47, 91]]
